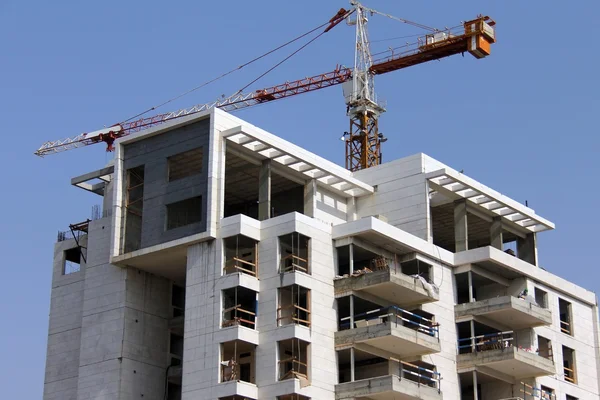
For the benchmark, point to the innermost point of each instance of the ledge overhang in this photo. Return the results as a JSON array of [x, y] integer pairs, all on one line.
[[390, 387], [456, 186], [297, 159]]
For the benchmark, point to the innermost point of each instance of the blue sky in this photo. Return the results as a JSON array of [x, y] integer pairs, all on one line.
[[522, 121]]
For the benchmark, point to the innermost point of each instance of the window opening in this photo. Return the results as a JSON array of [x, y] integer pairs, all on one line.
[[241, 255], [237, 361], [184, 212], [239, 307], [547, 393], [541, 297], [569, 364], [185, 164], [294, 253], [72, 260], [293, 360], [545, 348], [294, 306], [565, 317], [133, 209]]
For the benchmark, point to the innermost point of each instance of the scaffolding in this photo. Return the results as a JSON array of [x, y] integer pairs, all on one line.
[[294, 364], [296, 248], [241, 255], [294, 309]]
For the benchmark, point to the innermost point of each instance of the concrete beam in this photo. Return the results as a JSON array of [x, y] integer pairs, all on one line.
[[264, 191], [461, 230]]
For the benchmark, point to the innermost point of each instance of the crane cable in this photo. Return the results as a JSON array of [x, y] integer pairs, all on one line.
[[238, 68]]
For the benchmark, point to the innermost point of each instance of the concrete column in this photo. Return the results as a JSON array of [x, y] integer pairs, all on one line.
[[351, 209], [472, 336], [461, 231], [264, 191], [351, 257], [310, 198], [351, 364], [527, 248], [470, 276], [475, 392], [496, 233], [351, 312]]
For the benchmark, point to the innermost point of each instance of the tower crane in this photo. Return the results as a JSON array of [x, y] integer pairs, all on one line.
[[363, 139]]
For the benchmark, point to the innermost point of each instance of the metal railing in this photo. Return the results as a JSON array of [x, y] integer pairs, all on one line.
[[420, 375], [394, 315], [495, 341]]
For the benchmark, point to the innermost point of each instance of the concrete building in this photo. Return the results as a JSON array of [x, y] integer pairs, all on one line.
[[230, 264]]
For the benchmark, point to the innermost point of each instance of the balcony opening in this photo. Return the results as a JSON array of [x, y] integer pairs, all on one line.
[[72, 261], [175, 349], [177, 301], [237, 361], [420, 372], [239, 307], [546, 393], [482, 288], [292, 397], [541, 297], [367, 313], [242, 183], [485, 338], [418, 268], [294, 253], [294, 306], [570, 372], [182, 165], [480, 232], [366, 366], [134, 205], [566, 319], [183, 213], [293, 360], [241, 255], [362, 261], [545, 348]]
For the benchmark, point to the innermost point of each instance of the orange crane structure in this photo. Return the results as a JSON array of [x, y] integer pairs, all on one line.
[[363, 139]]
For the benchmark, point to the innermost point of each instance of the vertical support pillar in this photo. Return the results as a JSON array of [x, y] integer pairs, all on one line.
[[310, 198], [475, 392], [461, 231], [496, 233], [351, 312], [470, 276], [264, 191], [351, 364], [527, 249], [351, 209], [351, 257], [472, 322]]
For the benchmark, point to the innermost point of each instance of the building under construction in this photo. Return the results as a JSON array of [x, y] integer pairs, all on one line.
[[227, 263]]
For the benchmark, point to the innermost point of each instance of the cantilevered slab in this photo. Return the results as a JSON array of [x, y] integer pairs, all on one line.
[[395, 287], [389, 387], [511, 361], [455, 185], [297, 159], [508, 311], [391, 338], [95, 181]]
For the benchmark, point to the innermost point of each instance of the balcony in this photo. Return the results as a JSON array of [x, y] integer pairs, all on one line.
[[499, 352], [390, 285], [390, 329], [509, 311], [412, 382]]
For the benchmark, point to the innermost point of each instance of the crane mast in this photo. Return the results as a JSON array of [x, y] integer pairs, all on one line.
[[363, 141]]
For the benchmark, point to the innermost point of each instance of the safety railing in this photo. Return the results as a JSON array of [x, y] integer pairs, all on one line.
[[394, 315], [236, 315], [293, 313], [292, 367], [420, 375], [565, 327], [293, 263], [237, 264], [491, 341], [532, 392], [569, 375]]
